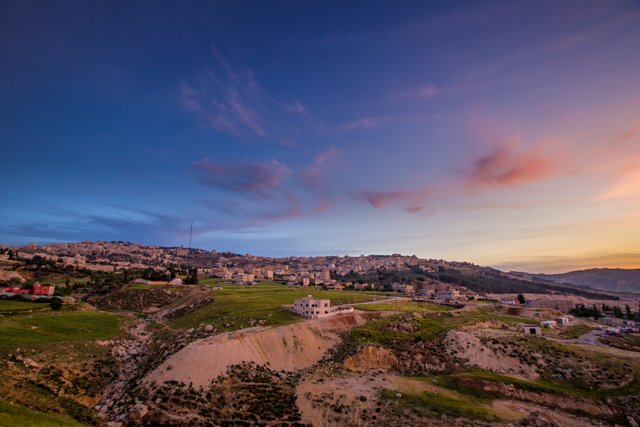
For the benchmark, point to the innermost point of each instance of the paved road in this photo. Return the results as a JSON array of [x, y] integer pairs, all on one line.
[[591, 338], [381, 301]]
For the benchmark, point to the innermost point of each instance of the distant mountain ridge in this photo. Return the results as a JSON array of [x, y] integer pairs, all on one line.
[[606, 279]]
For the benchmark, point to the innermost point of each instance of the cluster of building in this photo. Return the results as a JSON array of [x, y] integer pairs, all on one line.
[[242, 269], [553, 323]]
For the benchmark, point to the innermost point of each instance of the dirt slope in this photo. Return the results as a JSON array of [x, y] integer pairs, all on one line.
[[285, 348]]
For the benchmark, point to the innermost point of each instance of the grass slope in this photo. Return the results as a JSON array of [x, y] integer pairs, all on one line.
[[12, 307], [17, 415], [57, 327]]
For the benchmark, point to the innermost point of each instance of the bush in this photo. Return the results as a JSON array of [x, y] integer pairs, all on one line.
[[56, 304]]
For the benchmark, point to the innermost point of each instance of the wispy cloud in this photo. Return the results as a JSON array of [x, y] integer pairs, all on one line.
[[313, 179], [125, 224], [262, 192], [296, 107], [260, 179], [229, 99], [626, 185]]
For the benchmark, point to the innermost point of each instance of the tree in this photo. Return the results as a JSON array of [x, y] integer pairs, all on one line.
[[192, 276], [521, 299], [627, 308], [617, 312], [596, 313]]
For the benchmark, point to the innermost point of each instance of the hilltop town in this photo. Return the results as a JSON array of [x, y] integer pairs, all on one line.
[[123, 334]]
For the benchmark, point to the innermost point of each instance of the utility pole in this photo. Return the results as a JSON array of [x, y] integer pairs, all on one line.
[[190, 232]]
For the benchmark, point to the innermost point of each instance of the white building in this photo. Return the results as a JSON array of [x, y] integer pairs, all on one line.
[[532, 330], [317, 308], [312, 308], [564, 320]]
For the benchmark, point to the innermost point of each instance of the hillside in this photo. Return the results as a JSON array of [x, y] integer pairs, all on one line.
[[606, 279]]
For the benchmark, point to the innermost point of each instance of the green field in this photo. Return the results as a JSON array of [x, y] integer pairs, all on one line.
[[410, 306], [57, 327], [235, 305], [146, 286], [439, 404], [432, 325], [17, 415], [12, 307]]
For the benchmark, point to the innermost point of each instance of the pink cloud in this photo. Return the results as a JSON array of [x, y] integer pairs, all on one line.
[[312, 178], [508, 166], [412, 201]]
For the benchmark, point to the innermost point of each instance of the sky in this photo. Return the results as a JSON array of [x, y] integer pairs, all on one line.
[[504, 133]]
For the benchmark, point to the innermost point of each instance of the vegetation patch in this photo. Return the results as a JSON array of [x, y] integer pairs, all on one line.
[[18, 415], [433, 404], [37, 329], [13, 307]]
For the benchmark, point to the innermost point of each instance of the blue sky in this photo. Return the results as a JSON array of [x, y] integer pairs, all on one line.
[[503, 133]]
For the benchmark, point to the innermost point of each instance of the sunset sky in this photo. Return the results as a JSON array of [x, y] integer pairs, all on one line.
[[501, 133]]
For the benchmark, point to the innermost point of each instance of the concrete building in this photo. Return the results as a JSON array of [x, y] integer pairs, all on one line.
[[317, 308], [532, 330], [312, 308], [243, 278], [564, 320]]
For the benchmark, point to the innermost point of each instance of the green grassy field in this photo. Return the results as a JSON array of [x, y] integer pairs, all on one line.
[[12, 307], [440, 404], [432, 325], [235, 305], [17, 415], [410, 306], [146, 286], [57, 327], [214, 282]]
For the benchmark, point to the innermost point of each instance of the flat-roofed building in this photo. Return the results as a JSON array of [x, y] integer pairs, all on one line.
[[312, 308]]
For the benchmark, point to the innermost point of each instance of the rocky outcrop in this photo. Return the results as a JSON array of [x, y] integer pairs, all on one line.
[[370, 357], [470, 349]]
